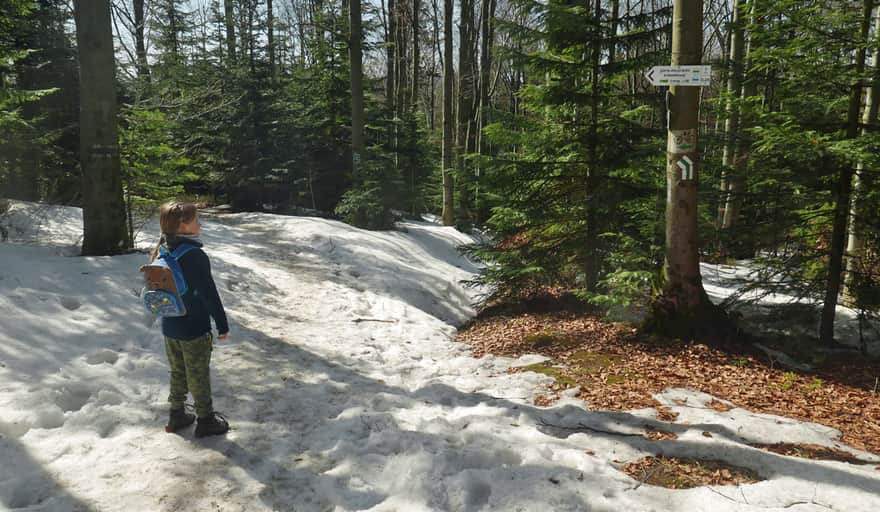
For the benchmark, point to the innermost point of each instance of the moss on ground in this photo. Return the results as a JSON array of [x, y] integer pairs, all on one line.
[[553, 371]]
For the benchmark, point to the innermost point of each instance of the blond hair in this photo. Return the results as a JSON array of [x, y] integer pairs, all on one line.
[[171, 215]]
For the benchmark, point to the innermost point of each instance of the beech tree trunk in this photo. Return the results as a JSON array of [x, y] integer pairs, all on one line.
[[855, 245], [140, 48], [448, 215], [615, 19], [390, 71], [270, 22], [416, 55], [104, 229], [466, 95], [683, 308], [843, 192], [357, 86], [731, 125], [487, 38], [230, 30]]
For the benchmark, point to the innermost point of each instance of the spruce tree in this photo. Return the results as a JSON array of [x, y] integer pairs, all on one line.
[[576, 183]]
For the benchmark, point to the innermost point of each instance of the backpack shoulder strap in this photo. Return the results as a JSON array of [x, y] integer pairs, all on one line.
[[171, 260], [182, 249]]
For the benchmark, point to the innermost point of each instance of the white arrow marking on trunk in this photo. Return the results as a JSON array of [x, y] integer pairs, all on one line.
[[687, 168]]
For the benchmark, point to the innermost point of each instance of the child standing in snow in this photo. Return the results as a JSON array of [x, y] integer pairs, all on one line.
[[188, 339]]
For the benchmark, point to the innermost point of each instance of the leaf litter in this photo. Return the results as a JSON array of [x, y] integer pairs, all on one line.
[[618, 368]]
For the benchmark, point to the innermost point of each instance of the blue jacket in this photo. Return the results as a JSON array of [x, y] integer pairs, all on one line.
[[201, 298]]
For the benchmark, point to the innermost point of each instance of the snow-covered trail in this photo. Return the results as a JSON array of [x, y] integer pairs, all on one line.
[[345, 392]]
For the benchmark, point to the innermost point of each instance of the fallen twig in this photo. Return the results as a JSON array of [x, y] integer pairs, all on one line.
[[719, 493], [743, 494], [647, 476]]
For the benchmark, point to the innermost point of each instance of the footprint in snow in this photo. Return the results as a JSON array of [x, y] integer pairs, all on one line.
[[71, 303], [72, 398], [102, 356]]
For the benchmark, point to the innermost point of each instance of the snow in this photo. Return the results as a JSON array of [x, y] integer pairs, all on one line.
[[41, 224], [344, 389], [781, 313]]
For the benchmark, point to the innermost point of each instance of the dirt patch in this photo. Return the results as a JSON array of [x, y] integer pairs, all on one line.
[[718, 405], [545, 400], [811, 451], [666, 414], [674, 473], [660, 435]]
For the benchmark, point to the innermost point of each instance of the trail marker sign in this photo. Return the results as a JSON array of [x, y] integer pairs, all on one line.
[[694, 76], [687, 168]]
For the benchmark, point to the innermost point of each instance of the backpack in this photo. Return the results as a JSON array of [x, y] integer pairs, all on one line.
[[164, 285]]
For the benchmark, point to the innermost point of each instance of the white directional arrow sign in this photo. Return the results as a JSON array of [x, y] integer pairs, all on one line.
[[696, 76], [687, 168]]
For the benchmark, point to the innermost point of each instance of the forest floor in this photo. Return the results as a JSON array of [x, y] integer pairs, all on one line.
[[612, 366]]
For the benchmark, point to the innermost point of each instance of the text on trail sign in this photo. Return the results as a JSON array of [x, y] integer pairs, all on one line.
[[682, 141], [696, 76], [687, 168]]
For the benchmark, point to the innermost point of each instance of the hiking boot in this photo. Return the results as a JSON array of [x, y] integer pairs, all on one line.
[[178, 419], [212, 425]]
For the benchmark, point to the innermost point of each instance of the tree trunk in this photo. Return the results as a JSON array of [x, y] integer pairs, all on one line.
[[104, 230], [615, 19], [390, 36], [400, 48], [174, 31], [736, 185], [251, 39], [681, 308], [731, 126], [844, 189], [436, 53], [487, 37], [448, 215], [855, 245], [465, 104], [413, 102], [230, 31], [357, 87], [590, 260], [416, 56], [143, 69], [270, 22], [301, 20], [400, 43]]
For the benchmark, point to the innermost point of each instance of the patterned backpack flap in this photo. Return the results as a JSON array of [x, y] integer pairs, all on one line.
[[164, 284]]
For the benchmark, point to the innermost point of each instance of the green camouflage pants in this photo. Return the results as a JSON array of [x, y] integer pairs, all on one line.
[[190, 364]]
